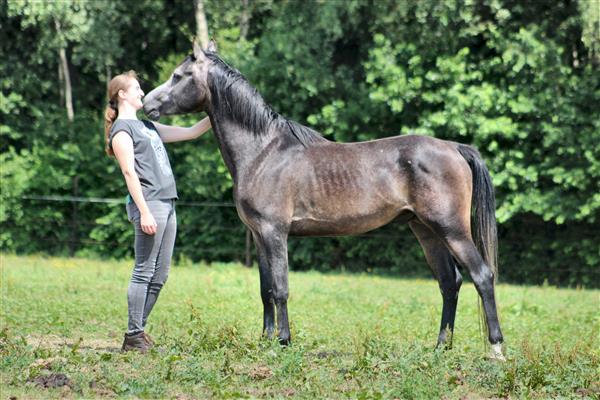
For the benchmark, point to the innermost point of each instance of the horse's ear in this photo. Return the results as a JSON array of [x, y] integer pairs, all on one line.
[[198, 52], [212, 46]]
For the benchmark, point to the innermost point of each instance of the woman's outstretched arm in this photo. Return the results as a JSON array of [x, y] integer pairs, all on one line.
[[170, 134]]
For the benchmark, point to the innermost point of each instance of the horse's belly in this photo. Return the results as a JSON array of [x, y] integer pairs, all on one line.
[[345, 225]]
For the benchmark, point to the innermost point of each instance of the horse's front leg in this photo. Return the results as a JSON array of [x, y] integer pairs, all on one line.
[[266, 289], [273, 240]]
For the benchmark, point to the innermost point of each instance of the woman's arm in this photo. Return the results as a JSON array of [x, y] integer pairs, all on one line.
[[170, 134], [122, 146]]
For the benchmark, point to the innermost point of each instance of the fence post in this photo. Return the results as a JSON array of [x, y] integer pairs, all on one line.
[[74, 218]]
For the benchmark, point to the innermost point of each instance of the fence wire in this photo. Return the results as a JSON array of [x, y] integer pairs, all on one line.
[[244, 254]]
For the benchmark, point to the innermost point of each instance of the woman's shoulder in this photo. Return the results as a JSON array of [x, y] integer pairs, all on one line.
[[130, 126], [121, 125]]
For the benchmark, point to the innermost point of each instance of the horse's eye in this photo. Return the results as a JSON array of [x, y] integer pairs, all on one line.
[[175, 79]]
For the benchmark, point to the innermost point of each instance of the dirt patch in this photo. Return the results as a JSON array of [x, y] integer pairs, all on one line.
[[100, 391], [256, 393], [259, 373], [329, 354], [181, 396], [54, 342], [52, 381], [47, 363], [588, 392], [455, 378]]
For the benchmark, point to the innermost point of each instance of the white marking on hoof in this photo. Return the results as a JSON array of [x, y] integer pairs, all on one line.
[[496, 353]]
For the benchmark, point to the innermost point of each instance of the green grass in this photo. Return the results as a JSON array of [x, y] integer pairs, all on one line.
[[354, 336]]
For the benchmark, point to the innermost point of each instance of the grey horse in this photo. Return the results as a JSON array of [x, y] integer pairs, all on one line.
[[289, 180]]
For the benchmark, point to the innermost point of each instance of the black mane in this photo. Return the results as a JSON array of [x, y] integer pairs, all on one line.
[[239, 100]]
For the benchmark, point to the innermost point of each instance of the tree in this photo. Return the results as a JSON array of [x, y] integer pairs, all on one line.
[[65, 22]]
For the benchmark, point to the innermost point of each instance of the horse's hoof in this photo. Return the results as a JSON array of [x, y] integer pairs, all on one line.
[[496, 353], [443, 346], [284, 342]]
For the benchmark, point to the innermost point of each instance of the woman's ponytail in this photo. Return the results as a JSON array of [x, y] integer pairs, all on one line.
[[110, 115], [119, 82]]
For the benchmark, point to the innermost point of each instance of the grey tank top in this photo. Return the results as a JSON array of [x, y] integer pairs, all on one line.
[[151, 161]]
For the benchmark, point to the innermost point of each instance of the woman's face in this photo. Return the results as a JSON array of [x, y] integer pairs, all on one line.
[[133, 94]]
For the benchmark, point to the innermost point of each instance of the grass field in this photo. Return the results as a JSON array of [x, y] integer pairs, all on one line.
[[354, 336]]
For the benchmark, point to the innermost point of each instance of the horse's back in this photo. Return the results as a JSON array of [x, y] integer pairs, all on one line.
[[393, 152]]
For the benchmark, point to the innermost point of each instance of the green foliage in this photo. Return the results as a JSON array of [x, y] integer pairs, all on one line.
[[354, 336], [15, 173], [520, 81]]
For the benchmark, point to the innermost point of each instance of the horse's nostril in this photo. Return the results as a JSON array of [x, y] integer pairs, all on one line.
[[154, 115]]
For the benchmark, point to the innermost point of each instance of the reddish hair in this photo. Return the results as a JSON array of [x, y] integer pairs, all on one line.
[[119, 82]]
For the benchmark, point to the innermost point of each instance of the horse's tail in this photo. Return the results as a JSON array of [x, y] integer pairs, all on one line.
[[483, 224], [484, 231]]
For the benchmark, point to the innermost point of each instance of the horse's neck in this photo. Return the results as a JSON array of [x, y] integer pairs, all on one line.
[[242, 122], [238, 146]]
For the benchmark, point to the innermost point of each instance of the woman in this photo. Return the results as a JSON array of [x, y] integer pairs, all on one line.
[[138, 147]]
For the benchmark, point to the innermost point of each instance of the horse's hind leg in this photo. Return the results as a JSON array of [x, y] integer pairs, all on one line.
[[457, 239], [266, 290], [465, 252], [444, 269]]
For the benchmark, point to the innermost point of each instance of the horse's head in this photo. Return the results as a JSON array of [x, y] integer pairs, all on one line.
[[185, 91]]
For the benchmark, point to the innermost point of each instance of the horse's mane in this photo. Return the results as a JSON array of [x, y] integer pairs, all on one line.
[[239, 100]]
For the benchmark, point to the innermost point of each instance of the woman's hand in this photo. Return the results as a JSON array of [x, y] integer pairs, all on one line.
[[148, 223]]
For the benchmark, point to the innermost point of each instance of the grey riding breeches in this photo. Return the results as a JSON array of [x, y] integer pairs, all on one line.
[[153, 255]]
